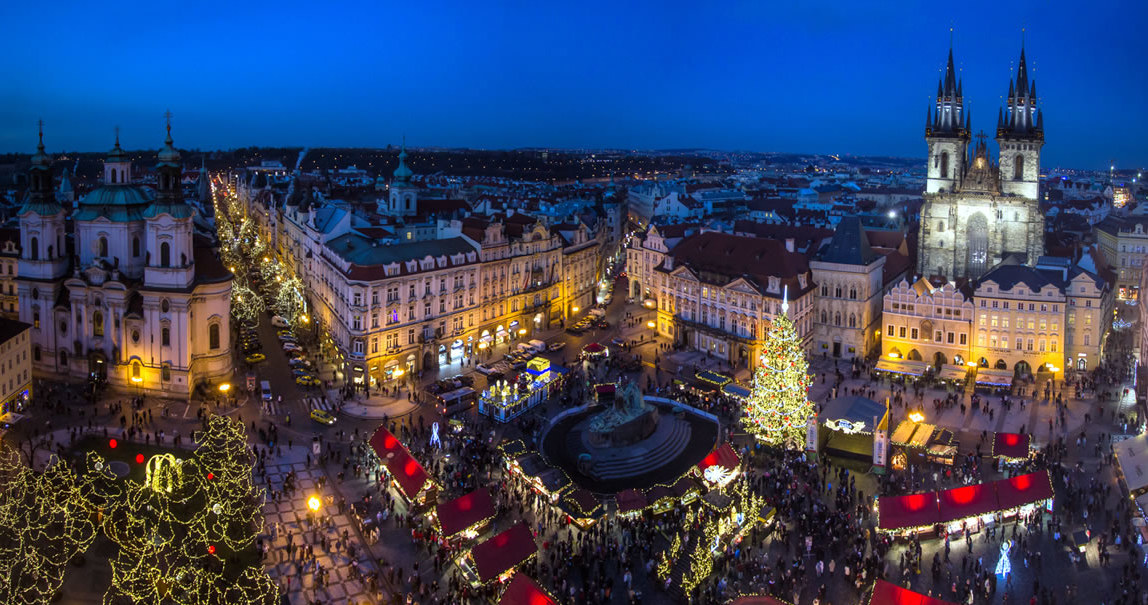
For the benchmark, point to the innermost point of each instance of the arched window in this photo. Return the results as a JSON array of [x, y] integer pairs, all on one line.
[[837, 319], [940, 226], [63, 358], [35, 254], [165, 336], [136, 246], [852, 320], [853, 293], [103, 246], [944, 164], [165, 372], [97, 323], [113, 177], [213, 336], [1018, 168], [824, 317], [165, 254], [136, 369], [50, 252]]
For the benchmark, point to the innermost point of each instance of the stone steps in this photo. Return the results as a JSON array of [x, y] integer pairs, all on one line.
[[670, 446]]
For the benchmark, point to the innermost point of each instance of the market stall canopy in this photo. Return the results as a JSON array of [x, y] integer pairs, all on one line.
[[722, 456], [631, 500], [852, 414], [952, 372], [503, 552], [967, 501], [887, 593], [713, 377], [1132, 456], [583, 503], [524, 591], [902, 366], [594, 348], [465, 512], [904, 432], [1011, 445], [736, 390], [913, 510], [1023, 489], [408, 473], [996, 378]]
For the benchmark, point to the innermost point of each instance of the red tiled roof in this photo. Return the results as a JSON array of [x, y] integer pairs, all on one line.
[[630, 500], [524, 591], [722, 456], [408, 473], [887, 593], [503, 552], [464, 512]]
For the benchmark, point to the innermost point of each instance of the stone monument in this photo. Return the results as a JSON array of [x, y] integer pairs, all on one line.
[[627, 419]]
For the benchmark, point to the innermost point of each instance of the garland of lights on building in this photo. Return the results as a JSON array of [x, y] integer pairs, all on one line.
[[778, 407]]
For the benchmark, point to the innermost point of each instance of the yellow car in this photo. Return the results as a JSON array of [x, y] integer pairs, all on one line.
[[322, 417], [307, 381], [256, 358]]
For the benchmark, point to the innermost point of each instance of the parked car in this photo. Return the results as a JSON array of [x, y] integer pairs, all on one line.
[[255, 358], [322, 417], [299, 363], [618, 341], [290, 346], [279, 322], [557, 346], [484, 369], [307, 381]]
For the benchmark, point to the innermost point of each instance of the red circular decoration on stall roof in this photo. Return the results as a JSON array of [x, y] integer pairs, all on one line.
[[113, 443], [139, 458]]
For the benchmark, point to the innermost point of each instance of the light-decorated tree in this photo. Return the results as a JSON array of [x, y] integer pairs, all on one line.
[[778, 407], [246, 305], [44, 524], [185, 534]]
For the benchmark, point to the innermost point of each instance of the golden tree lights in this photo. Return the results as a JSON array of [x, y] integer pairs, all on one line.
[[778, 407]]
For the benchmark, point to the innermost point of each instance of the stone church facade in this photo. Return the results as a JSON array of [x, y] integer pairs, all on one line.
[[978, 211]]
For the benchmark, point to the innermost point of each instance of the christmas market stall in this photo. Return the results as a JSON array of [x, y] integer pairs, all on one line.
[[412, 480], [902, 367], [522, 590], [498, 557], [736, 391], [953, 375], [543, 478], [465, 517], [910, 440], [631, 502], [849, 422], [595, 351], [712, 377], [506, 400], [908, 512], [1132, 469], [721, 466], [1024, 493], [1011, 447], [991, 380], [967, 506], [888, 593], [582, 508]]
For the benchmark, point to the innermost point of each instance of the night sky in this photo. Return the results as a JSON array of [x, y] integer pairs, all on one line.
[[824, 77]]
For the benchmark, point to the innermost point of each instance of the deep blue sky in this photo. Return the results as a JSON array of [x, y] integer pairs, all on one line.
[[825, 76]]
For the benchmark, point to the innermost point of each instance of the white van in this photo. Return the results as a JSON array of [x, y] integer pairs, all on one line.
[[538, 346], [265, 390]]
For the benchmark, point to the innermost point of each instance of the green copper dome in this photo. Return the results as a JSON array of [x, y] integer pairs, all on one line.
[[117, 203]]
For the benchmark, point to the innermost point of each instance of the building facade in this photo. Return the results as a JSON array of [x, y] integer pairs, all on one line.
[[977, 212], [15, 367], [921, 322], [140, 302], [1124, 242]]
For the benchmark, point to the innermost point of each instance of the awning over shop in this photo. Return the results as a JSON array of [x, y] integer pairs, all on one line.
[[630, 500], [408, 473], [464, 512], [921, 435], [713, 377], [503, 552], [723, 456], [952, 372], [996, 378], [903, 432], [887, 593], [967, 501], [913, 510], [736, 390], [1132, 456], [902, 366], [583, 503], [524, 591], [1023, 489], [1011, 445]]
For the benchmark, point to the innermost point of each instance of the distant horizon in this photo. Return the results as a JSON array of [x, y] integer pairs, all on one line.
[[840, 77]]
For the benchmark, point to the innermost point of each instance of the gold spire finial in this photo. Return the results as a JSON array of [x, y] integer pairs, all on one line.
[[167, 118], [40, 125]]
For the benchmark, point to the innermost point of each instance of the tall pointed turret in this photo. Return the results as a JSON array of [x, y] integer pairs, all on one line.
[[402, 172], [42, 253], [169, 224], [1020, 134], [40, 197], [403, 198], [947, 132]]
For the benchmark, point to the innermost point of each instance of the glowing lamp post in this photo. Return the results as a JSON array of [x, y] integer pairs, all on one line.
[[314, 503], [916, 416]]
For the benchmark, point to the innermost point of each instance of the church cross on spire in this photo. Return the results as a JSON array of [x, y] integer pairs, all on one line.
[[167, 118], [40, 125]]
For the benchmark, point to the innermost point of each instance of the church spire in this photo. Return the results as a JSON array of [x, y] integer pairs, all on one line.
[[950, 114], [169, 186], [402, 172], [40, 197]]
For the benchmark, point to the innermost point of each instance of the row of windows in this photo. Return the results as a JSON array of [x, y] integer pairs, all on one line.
[[939, 336], [1003, 322], [1023, 345]]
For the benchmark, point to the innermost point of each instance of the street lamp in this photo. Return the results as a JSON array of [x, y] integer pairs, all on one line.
[[650, 324], [314, 503]]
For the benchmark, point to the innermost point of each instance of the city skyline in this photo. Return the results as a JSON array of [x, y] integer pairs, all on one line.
[[859, 79]]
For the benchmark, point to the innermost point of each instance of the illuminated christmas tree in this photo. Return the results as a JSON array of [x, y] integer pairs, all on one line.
[[778, 408]]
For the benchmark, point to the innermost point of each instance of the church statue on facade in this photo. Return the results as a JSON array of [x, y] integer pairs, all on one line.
[[977, 211]]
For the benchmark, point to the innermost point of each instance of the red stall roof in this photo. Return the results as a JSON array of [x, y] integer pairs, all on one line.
[[967, 501], [722, 456], [503, 552], [465, 511], [914, 510], [524, 591], [630, 500], [887, 593], [408, 473], [1023, 489], [1011, 445]]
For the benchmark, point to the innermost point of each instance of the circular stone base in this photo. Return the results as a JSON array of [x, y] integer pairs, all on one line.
[[119, 468]]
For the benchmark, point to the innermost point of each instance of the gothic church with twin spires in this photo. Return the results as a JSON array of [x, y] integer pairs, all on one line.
[[978, 211]]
